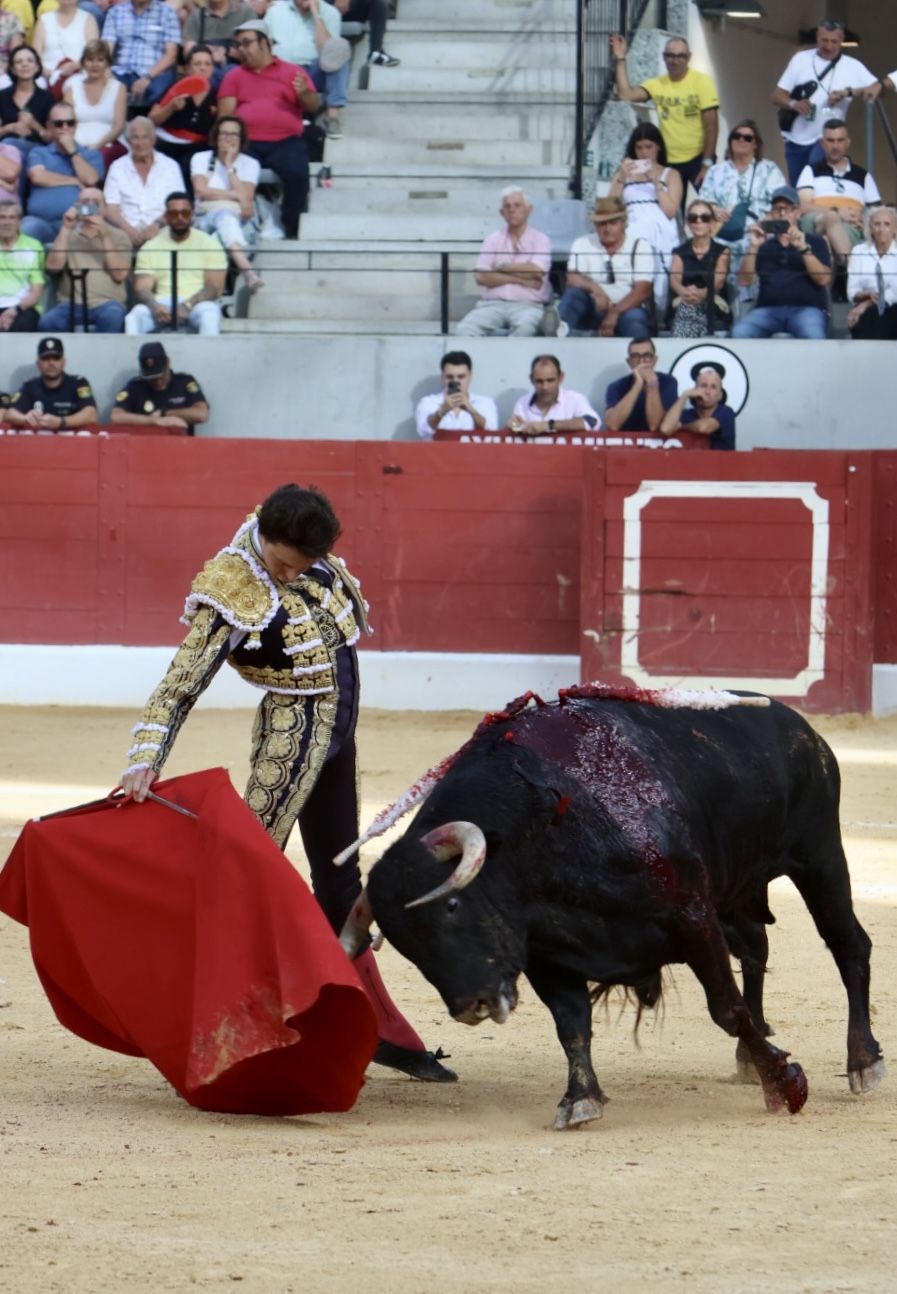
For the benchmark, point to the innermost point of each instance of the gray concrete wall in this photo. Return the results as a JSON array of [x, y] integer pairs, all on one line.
[[800, 395]]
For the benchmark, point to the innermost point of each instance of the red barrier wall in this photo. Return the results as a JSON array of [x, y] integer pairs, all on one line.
[[461, 547]]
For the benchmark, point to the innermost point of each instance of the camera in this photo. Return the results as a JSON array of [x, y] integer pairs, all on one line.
[[453, 388], [88, 209], [775, 226]]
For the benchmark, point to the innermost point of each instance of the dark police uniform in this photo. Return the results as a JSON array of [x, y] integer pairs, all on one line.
[[72, 395], [138, 396]]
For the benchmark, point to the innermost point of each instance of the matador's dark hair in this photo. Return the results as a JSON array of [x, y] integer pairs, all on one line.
[[301, 518]]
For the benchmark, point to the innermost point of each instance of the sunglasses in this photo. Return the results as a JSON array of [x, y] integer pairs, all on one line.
[[740, 134], [676, 58], [699, 218], [63, 121]]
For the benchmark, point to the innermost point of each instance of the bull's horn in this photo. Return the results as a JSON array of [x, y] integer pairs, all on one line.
[[447, 841], [357, 925]]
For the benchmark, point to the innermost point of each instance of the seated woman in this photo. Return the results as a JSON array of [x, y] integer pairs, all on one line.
[[224, 183], [59, 38], [698, 277], [652, 195], [709, 414], [100, 102], [184, 122], [872, 279], [24, 106], [740, 189]]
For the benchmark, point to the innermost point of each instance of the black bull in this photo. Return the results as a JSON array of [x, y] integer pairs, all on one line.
[[620, 837]]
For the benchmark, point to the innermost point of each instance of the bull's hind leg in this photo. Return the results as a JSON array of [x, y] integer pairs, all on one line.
[[824, 884], [567, 997]]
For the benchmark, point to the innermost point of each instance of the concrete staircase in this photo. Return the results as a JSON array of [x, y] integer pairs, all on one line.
[[484, 97]]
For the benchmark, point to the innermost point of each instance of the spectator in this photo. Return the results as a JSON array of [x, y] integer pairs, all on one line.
[[687, 108], [54, 400], [835, 193], [872, 280], [100, 102], [698, 277], [306, 32], [139, 184], [272, 97], [609, 279], [375, 13], [652, 195], [143, 36], [60, 36], [818, 84], [224, 182], [201, 271], [709, 414], [512, 267], [87, 247], [214, 24], [24, 105], [158, 397], [10, 171], [793, 270], [638, 402], [454, 408], [21, 271], [24, 11], [12, 34], [58, 171], [550, 407], [183, 123], [740, 189]]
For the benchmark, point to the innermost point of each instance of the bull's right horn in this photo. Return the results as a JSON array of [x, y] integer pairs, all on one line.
[[357, 925], [447, 841]]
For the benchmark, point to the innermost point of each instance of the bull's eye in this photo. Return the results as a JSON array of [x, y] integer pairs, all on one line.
[[453, 904]]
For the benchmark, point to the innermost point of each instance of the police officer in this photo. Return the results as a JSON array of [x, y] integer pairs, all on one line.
[[54, 400], [160, 398]]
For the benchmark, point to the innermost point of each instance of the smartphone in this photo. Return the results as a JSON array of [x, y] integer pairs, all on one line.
[[453, 388], [775, 226]]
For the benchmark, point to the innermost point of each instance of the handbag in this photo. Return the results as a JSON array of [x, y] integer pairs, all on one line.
[[806, 89], [735, 226]]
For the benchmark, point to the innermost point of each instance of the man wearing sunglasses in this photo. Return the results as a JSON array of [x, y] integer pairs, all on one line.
[[58, 171], [793, 270], [835, 193], [610, 279], [687, 107]]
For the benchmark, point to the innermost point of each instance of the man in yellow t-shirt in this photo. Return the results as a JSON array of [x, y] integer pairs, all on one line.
[[200, 270], [687, 108]]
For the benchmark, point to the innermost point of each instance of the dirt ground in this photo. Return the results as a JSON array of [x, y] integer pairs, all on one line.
[[108, 1182]]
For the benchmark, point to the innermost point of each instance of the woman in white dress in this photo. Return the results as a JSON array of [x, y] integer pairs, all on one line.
[[100, 102], [60, 37], [224, 183], [652, 194]]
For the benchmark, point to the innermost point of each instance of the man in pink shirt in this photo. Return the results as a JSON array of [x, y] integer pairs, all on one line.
[[272, 98], [550, 407], [513, 268]]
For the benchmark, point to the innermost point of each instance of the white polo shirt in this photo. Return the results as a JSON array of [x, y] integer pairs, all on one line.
[[142, 203], [851, 186], [455, 419]]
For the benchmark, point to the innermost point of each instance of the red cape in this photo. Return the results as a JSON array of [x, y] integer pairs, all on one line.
[[196, 945]]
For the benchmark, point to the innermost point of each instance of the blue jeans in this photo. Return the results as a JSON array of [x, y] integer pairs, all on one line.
[[808, 323], [288, 159], [107, 317], [333, 85], [578, 310], [43, 230], [156, 88], [797, 156]]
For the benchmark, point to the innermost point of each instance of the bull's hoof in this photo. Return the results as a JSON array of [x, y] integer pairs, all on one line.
[[863, 1080], [787, 1090], [574, 1114]]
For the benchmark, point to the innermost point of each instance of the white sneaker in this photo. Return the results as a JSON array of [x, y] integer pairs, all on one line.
[[563, 329]]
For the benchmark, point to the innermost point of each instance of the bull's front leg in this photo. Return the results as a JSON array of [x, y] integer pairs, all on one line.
[[567, 997]]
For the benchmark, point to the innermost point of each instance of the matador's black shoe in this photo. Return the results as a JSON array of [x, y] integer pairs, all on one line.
[[423, 1065]]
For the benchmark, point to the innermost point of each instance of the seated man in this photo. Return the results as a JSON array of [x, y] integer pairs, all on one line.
[[57, 172], [610, 279], [455, 408], [143, 37], [872, 280], [21, 271], [375, 13], [139, 184], [513, 267], [793, 270], [54, 400], [160, 398], [550, 407], [299, 31], [272, 98], [90, 251], [835, 193], [709, 414], [638, 402], [201, 269]]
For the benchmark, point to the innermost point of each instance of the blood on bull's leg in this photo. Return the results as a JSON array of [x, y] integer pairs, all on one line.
[[748, 942], [567, 997]]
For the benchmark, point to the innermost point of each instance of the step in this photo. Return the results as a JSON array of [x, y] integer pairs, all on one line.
[[482, 26], [424, 199], [379, 119], [492, 154], [340, 327], [543, 181], [434, 228], [340, 302], [466, 13], [386, 258], [544, 82], [465, 50]]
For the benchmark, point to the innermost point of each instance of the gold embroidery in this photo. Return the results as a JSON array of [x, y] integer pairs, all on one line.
[[277, 735]]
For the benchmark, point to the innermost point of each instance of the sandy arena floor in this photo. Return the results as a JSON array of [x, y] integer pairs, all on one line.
[[108, 1182]]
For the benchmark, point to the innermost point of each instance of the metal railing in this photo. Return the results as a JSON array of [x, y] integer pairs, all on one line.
[[887, 130]]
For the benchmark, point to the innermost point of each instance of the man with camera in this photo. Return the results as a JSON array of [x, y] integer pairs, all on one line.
[[793, 270], [96, 259], [455, 408]]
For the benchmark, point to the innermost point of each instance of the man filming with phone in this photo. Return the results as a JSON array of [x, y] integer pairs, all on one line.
[[455, 408], [793, 270], [95, 257]]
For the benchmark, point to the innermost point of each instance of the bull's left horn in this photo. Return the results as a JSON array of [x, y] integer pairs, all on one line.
[[357, 925], [447, 841]]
